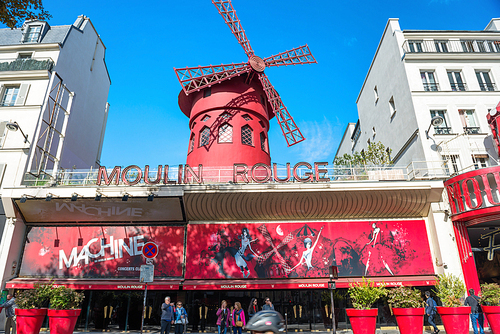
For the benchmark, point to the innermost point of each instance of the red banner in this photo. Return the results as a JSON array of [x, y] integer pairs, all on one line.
[[107, 251], [281, 250]]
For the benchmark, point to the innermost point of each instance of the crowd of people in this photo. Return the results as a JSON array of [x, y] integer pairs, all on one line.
[[175, 314]]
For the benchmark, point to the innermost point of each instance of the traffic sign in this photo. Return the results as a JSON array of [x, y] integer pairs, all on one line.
[[150, 250], [147, 273]]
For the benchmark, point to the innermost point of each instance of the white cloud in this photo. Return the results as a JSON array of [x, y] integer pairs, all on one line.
[[320, 139]]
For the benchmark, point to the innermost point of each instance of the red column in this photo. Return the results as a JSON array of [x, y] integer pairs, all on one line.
[[466, 257]]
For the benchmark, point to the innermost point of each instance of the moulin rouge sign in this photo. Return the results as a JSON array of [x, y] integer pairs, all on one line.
[[258, 173], [474, 193]]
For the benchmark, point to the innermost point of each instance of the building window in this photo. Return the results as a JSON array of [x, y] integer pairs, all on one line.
[[204, 136], [480, 161], [356, 134], [494, 46], [33, 34], [191, 143], [9, 97], [247, 117], [375, 91], [224, 115], [207, 92], [451, 164], [205, 118], [246, 135], [263, 142], [484, 80], [392, 106], [24, 56], [374, 132], [429, 81], [481, 46], [442, 129], [225, 133], [415, 46], [441, 46], [469, 121], [468, 45], [456, 81]]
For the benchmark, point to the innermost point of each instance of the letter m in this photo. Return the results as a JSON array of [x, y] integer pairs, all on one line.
[[107, 180], [65, 260]]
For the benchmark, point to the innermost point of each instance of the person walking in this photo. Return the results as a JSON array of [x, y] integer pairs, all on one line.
[[476, 313], [268, 306], [223, 318], [252, 308], [238, 318], [430, 310], [167, 315], [10, 314], [181, 319]]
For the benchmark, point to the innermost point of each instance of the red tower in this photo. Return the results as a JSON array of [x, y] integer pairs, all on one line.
[[229, 119]]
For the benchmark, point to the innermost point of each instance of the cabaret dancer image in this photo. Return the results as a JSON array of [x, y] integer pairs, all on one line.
[[376, 247], [307, 254], [240, 257]]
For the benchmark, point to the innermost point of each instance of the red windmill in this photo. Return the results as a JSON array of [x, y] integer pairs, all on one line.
[[227, 106]]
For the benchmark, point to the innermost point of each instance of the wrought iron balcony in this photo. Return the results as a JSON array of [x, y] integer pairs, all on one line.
[[431, 87], [458, 87], [438, 130], [26, 64], [446, 46], [488, 87], [471, 130]]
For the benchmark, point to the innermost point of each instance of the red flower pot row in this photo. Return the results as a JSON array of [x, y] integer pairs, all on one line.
[[60, 321], [492, 314]]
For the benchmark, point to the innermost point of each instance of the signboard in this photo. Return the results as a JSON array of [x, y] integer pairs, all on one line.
[[147, 273], [107, 251], [308, 249], [150, 250]]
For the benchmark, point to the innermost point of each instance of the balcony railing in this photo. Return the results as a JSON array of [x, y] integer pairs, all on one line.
[[471, 130], [456, 46], [438, 130], [26, 64], [458, 87], [431, 87], [488, 87]]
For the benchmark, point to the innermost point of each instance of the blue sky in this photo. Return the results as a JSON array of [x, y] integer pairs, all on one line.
[[145, 41]]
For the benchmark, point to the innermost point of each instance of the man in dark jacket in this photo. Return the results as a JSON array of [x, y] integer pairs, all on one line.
[[476, 314], [167, 315], [268, 306], [10, 306], [430, 310]]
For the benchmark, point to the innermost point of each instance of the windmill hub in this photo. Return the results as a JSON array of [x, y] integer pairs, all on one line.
[[257, 64]]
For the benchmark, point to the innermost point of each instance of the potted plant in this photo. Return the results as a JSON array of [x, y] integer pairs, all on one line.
[[64, 310], [32, 308], [490, 304], [406, 305], [455, 316], [363, 295]]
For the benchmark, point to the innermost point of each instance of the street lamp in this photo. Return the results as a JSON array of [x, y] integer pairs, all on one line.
[[435, 121], [13, 126], [334, 275]]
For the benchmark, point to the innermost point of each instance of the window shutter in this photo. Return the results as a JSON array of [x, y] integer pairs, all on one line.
[[23, 92], [2, 132]]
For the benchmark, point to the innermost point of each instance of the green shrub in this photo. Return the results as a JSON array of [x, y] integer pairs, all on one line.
[[490, 294], [450, 289], [404, 297], [365, 293], [63, 298], [36, 298]]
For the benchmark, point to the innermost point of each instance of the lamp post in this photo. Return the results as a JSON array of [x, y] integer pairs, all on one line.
[[334, 275], [435, 121], [13, 126]]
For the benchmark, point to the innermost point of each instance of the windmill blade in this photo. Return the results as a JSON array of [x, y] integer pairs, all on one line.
[[196, 78], [288, 127], [227, 11], [297, 56]]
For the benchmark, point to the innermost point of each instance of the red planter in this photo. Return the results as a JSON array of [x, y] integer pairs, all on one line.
[[410, 320], [492, 314], [363, 321], [29, 321], [455, 319], [62, 321]]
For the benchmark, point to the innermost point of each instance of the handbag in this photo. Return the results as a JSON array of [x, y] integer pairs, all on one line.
[[238, 323]]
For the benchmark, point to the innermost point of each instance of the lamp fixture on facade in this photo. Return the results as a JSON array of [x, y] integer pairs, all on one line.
[[74, 197], [435, 121], [125, 197], [23, 199], [48, 198], [151, 196], [13, 126]]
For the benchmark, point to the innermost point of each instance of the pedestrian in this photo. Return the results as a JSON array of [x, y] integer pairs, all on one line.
[[266, 322], [252, 308], [10, 314], [223, 318], [476, 313], [430, 310], [238, 317], [268, 306], [181, 319], [167, 315]]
